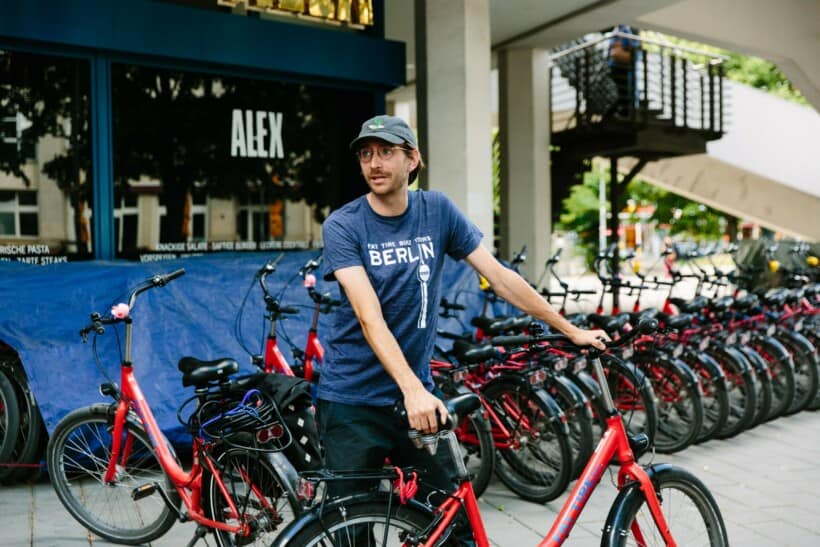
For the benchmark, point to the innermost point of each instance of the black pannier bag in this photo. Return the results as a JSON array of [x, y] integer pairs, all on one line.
[[292, 397]]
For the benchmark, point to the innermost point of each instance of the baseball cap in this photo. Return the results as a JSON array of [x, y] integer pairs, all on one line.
[[387, 128]]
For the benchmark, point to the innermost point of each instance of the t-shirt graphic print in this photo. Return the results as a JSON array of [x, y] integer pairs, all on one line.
[[404, 258]]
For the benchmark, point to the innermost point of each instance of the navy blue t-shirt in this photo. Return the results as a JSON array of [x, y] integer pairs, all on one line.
[[404, 258]]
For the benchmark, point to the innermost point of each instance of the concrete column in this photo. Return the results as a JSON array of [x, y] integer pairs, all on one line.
[[525, 174], [453, 93]]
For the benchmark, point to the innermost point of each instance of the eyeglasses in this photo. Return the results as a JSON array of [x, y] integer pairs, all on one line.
[[385, 152]]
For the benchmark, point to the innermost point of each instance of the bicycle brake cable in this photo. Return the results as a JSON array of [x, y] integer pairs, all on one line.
[[237, 323]]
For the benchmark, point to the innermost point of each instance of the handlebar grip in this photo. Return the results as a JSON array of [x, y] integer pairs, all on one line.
[[161, 280], [514, 340], [288, 310], [401, 412], [583, 291]]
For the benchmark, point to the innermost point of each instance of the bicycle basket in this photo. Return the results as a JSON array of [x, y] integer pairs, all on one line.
[[250, 422]]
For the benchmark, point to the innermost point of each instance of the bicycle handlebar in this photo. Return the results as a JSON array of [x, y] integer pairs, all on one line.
[[645, 326], [157, 280]]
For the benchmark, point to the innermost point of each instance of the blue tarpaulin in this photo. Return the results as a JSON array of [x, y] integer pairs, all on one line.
[[42, 308]]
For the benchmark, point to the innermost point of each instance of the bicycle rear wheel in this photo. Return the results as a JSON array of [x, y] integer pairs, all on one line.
[[690, 511], [576, 407], [257, 492], [633, 395], [763, 387], [9, 420], [781, 372], [804, 356], [680, 407], [78, 453], [535, 462], [377, 521], [715, 398], [740, 387]]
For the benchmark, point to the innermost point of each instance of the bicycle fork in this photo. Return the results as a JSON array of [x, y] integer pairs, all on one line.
[[614, 442]]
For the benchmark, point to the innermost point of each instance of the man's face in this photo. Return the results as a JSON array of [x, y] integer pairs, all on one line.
[[386, 167]]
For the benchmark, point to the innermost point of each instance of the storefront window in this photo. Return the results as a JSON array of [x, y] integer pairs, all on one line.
[[207, 163], [45, 159]]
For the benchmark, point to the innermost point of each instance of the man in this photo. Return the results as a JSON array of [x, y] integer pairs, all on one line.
[[386, 249]]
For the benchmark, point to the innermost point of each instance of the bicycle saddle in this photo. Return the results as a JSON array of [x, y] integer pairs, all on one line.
[[577, 319], [747, 301], [611, 324], [680, 321], [723, 303], [469, 354], [691, 306], [499, 325], [776, 297], [201, 373]]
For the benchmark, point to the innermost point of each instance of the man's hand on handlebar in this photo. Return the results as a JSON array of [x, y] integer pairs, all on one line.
[[425, 411], [594, 338]]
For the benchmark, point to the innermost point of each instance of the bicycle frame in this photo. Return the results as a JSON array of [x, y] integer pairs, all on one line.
[[614, 442], [187, 484]]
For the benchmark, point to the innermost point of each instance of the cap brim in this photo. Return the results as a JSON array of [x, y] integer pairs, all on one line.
[[389, 137]]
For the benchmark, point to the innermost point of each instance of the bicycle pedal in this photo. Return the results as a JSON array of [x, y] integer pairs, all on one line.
[[143, 491]]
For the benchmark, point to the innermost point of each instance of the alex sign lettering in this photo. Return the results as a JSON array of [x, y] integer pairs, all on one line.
[[256, 134]]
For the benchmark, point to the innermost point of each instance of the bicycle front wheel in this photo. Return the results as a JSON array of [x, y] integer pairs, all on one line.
[[78, 454], [690, 511], [366, 522], [257, 493]]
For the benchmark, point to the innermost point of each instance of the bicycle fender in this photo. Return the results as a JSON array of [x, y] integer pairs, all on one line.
[[795, 341], [738, 357], [307, 519], [539, 392], [777, 350], [627, 493], [110, 410]]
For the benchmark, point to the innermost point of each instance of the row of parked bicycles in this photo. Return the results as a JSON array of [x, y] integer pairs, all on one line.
[[720, 364], [528, 407]]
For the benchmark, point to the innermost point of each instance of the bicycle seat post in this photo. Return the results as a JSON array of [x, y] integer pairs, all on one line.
[[594, 360]]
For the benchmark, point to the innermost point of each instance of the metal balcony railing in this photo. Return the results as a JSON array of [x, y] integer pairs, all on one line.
[[661, 84]]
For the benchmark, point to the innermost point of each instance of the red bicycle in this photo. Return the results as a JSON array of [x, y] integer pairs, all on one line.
[[658, 505], [117, 474]]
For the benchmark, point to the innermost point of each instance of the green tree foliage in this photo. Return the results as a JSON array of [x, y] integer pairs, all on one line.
[[685, 218], [751, 71]]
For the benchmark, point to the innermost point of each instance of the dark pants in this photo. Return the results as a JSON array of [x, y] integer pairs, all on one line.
[[359, 438]]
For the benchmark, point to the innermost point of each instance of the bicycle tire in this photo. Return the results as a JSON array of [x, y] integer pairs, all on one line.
[[576, 407], [804, 357], [28, 446], [254, 486], [740, 388], [536, 461], [633, 396], [715, 397], [592, 391], [680, 406], [77, 455], [9, 422], [691, 512], [781, 373], [763, 387], [340, 524]]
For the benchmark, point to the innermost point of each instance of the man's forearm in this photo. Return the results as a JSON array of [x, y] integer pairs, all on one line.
[[515, 290], [389, 353]]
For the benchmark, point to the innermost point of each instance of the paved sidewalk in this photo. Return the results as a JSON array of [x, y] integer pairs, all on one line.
[[766, 481]]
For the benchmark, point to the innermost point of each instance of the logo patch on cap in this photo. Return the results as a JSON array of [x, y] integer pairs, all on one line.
[[378, 123]]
